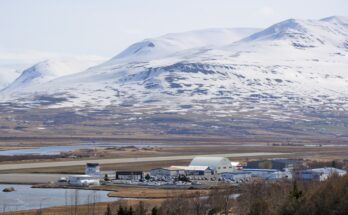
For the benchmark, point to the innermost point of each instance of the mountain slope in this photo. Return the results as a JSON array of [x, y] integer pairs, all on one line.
[[48, 70], [7, 76], [307, 33], [294, 72], [171, 43], [293, 56]]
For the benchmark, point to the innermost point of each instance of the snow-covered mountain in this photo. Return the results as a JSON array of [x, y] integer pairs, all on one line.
[[146, 50], [163, 46], [7, 76], [48, 70], [286, 72], [307, 33]]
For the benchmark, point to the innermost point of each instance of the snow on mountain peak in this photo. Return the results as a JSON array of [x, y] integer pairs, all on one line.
[[50, 69], [175, 42], [279, 30], [202, 68], [138, 48], [306, 33], [341, 20]]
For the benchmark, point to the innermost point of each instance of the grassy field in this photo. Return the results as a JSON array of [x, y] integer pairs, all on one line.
[[98, 208], [295, 151]]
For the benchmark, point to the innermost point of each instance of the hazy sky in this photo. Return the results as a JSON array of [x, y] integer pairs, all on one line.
[[105, 27]]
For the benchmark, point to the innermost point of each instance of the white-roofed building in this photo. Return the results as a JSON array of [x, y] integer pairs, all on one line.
[[194, 170], [237, 177], [320, 174], [216, 164], [236, 165], [269, 174], [83, 180], [167, 172]]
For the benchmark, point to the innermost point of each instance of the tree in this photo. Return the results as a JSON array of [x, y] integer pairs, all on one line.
[[121, 211], [176, 205], [212, 211], [294, 203], [130, 212], [108, 210], [154, 211], [106, 177], [295, 193], [260, 198], [147, 176], [141, 209], [198, 204]]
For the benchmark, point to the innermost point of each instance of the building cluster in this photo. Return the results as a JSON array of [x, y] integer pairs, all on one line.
[[319, 174], [199, 168], [205, 170], [92, 176]]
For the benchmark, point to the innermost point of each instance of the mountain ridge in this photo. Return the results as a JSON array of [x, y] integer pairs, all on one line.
[[262, 76], [279, 80]]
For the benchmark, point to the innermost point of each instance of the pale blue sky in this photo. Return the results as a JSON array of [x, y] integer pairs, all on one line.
[[105, 27]]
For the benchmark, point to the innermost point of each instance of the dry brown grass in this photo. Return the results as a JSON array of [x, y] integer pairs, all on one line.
[[99, 208], [152, 193]]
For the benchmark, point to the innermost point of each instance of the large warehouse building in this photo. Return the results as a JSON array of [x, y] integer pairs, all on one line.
[[216, 164]]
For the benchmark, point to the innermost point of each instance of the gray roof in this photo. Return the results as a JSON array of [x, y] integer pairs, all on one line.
[[326, 170], [211, 162]]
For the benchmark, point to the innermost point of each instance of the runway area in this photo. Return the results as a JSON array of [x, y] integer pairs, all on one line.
[[18, 166]]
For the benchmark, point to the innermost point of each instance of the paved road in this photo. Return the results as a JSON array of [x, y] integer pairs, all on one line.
[[126, 160], [29, 178]]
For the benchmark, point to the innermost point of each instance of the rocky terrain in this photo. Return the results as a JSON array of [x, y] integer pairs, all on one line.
[[288, 80]]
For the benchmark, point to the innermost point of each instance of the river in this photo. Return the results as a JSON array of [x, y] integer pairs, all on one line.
[[26, 198]]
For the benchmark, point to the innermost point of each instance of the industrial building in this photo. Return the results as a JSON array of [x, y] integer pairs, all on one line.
[[92, 176], [237, 177], [199, 166], [130, 175], [167, 172], [319, 174], [83, 180], [195, 170], [269, 174], [278, 164], [217, 164]]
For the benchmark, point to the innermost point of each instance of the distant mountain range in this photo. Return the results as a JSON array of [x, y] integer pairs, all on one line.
[[295, 70]]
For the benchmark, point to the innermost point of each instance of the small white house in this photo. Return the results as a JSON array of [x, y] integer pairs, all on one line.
[[320, 174], [83, 180], [217, 164]]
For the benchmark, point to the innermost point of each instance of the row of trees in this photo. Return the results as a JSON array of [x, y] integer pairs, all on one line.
[[295, 198], [140, 209], [255, 198], [219, 201], [258, 197]]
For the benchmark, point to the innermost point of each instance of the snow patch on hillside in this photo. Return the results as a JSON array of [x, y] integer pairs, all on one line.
[[48, 70], [292, 67]]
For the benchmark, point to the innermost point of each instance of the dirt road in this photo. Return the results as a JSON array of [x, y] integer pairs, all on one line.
[[18, 166]]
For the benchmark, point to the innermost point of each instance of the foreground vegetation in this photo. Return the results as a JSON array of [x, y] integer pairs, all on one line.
[[256, 198], [267, 198]]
